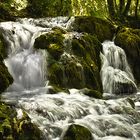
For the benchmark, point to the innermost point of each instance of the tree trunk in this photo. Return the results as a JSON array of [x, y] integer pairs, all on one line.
[[111, 8], [121, 6], [136, 9], [127, 7]]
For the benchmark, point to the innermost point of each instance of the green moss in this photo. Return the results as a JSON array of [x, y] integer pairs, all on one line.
[[74, 75], [56, 74], [54, 37], [77, 132], [52, 41], [55, 50]]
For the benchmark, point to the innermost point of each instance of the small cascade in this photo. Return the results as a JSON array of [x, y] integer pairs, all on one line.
[[25, 64], [115, 73]]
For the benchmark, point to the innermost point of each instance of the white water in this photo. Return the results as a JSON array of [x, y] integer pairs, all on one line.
[[113, 119], [115, 73]]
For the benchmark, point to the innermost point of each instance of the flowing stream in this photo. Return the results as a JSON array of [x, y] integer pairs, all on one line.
[[111, 119]]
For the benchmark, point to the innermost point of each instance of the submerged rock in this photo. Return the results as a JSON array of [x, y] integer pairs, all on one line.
[[77, 132], [129, 40]]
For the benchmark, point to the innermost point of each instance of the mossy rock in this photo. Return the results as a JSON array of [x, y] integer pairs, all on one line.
[[56, 74], [55, 50], [99, 27], [5, 77], [92, 93], [45, 40], [53, 89], [129, 40], [77, 132]]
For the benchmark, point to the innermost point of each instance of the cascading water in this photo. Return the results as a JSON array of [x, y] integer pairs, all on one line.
[[106, 119], [116, 74]]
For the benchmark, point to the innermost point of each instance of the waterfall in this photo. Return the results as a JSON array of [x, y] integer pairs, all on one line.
[[106, 119], [115, 73], [25, 64]]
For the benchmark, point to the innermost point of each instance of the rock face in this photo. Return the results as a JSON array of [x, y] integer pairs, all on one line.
[[73, 60], [5, 77], [129, 40], [77, 132]]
